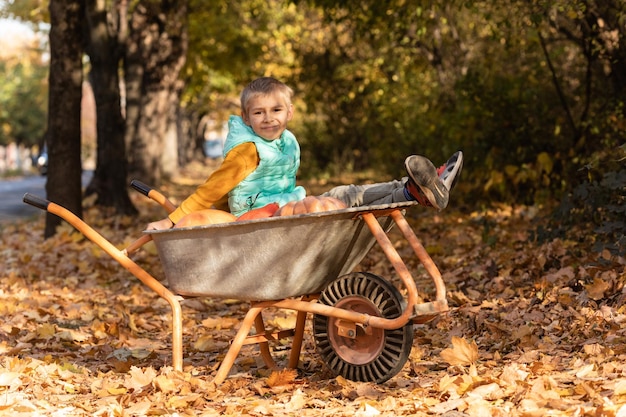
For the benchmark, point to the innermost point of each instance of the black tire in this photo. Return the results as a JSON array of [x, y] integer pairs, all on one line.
[[374, 357]]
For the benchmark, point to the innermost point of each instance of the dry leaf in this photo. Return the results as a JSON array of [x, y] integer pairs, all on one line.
[[81, 336], [10, 379], [282, 377], [116, 390], [297, 401], [597, 288], [490, 392], [166, 384], [182, 401], [219, 323], [461, 352], [366, 410], [139, 378]]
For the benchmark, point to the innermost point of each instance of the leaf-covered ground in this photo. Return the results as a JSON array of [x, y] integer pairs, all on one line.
[[534, 329]]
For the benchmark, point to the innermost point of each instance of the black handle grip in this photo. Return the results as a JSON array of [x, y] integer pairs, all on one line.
[[38, 202], [141, 187]]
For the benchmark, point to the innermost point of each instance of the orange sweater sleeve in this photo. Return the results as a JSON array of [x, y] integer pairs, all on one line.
[[237, 165]]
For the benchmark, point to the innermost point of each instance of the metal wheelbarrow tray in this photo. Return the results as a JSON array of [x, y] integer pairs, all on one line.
[[265, 259], [362, 323]]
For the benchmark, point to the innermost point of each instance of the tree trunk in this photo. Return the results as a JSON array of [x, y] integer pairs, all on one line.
[[614, 37], [156, 54], [63, 185], [110, 178]]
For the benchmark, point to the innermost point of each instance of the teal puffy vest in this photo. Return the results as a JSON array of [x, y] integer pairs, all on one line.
[[274, 180]]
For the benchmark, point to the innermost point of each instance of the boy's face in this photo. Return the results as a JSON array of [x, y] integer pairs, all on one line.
[[268, 115]]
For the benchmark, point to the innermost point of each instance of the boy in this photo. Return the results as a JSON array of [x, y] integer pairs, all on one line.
[[261, 159]]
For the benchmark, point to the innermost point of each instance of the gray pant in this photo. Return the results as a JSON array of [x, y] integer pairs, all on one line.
[[369, 194]]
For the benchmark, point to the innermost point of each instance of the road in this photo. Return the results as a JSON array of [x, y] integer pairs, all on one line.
[[12, 191]]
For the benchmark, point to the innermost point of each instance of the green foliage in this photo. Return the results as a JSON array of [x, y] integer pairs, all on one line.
[[29, 11], [597, 203], [530, 90], [231, 43], [389, 78], [24, 85], [23, 100]]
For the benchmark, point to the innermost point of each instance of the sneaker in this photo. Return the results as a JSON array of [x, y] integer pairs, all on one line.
[[424, 184], [450, 172]]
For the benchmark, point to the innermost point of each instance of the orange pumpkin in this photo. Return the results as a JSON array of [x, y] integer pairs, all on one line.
[[260, 213], [202, 217], [310, 204]]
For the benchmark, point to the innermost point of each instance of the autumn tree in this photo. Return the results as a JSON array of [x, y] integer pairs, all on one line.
[[156, 53], [145, 43], [105, 36], [63, 185]]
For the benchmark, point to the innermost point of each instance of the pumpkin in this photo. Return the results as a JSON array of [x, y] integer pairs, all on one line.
[[259, 213], [203, 217], [310, 204]]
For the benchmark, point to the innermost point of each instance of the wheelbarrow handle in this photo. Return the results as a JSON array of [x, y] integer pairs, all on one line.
[[141, 187], [153, 195], [38, 202]]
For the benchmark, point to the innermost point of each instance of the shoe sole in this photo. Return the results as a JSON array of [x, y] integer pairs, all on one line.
[[427, 181], [450, 175]]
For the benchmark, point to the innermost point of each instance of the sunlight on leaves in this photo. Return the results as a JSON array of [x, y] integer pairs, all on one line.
[[461, 353]]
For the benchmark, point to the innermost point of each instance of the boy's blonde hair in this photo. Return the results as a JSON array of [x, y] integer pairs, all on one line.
[[263, 86]]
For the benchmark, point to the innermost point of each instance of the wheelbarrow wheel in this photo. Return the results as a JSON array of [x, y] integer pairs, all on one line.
[[372, 355]]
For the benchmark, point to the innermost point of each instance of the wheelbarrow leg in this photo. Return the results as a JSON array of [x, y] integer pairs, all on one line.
[[296, 345], [177, 336], [264, 347], [421, 254], [236, 345]]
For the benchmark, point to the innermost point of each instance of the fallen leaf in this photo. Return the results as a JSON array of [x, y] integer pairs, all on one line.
[[461, 353], [367, 410], [139, 378], [597, 288], [166, 384], [10, 379], [282, 377]]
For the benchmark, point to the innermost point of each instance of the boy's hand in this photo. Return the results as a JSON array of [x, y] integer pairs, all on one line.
[[163, 224]]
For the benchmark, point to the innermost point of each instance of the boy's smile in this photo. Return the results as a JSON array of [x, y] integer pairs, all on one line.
[[268, 115]]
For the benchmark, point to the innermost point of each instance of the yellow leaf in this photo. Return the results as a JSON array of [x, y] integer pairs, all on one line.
[[219, 323], [116, 391], [182, 401], [288, 322], [465, 383], [461, 353], [165, 384], [46, 331], [448, 383], [544, 162]]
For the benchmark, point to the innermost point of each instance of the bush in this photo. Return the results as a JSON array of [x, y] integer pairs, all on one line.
[[596, 204]]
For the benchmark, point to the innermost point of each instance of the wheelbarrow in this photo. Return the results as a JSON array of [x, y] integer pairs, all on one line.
[[362, 323]]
